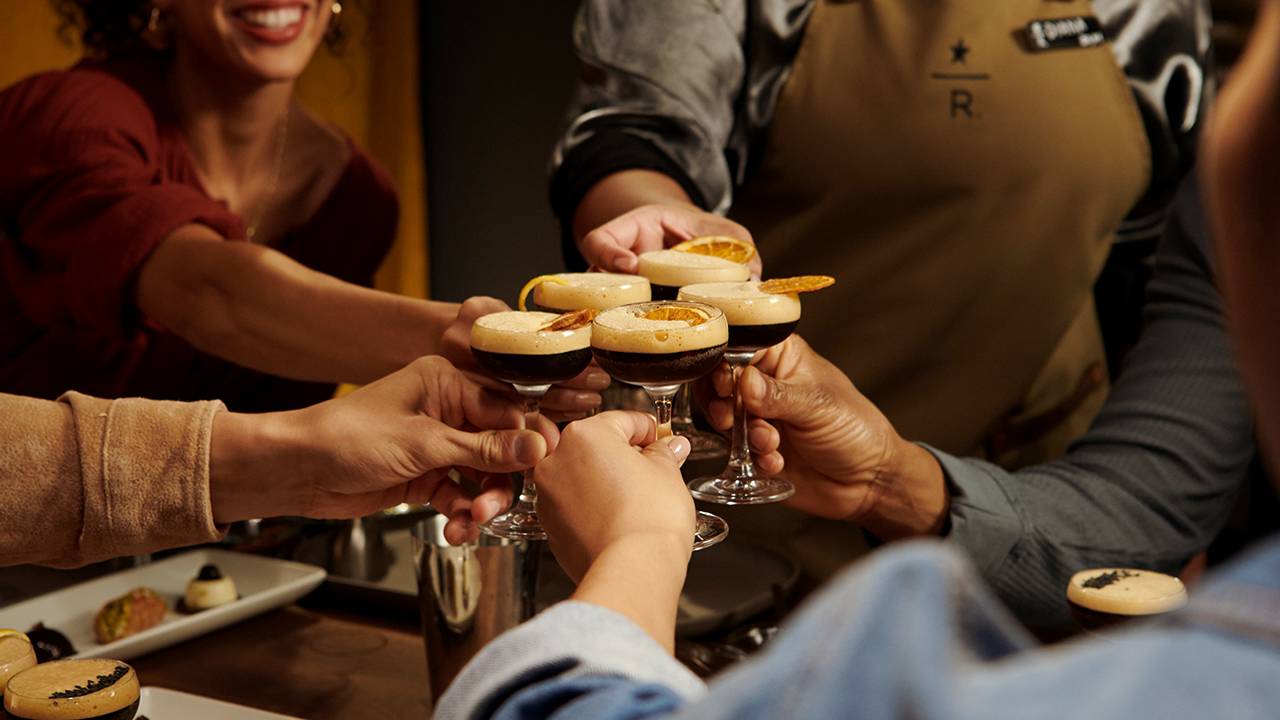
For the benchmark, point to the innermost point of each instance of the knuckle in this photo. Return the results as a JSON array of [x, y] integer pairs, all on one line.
[[492, 448]]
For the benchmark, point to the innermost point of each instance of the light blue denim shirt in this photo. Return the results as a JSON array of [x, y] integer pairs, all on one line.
[[909, 634]]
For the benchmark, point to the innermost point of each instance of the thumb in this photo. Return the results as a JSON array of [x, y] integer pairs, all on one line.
[[491, 450], [673, 450], [773, 399], [604, 249]]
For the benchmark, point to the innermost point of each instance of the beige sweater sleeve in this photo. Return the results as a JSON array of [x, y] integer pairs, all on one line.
[[83, 479]]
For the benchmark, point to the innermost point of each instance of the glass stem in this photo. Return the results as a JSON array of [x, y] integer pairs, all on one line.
[[740, 465], [662, 408], [682, 411], [528, 490]]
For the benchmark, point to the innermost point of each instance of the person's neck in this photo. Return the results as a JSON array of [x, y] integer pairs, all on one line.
[[231, 125]]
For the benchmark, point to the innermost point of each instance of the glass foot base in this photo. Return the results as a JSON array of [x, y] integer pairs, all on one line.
[[705, 445], [730, 491], [515, 525], [709, 530]]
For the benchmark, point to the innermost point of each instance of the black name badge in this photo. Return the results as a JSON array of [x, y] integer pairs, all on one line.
[[1082, 31]]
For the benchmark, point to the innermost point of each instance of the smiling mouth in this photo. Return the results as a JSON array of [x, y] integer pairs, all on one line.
[[272, 23]]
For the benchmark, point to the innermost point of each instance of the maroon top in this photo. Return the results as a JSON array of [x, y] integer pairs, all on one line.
[[94, 173]]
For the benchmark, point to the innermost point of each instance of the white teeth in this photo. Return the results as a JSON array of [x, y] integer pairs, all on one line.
[[273, 19]]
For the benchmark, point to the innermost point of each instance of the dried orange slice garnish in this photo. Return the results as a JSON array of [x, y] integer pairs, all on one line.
[[571, 320], [529, 286], [676, 313], [721, 246], [800, 284]]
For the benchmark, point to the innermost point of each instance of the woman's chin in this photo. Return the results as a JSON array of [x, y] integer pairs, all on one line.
[[273, 64]]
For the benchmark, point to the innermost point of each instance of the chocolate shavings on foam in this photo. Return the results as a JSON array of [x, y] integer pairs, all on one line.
[[1097, 582], [100, 683]]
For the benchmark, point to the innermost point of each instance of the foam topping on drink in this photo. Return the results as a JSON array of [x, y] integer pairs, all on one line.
[[71, 690], [579, 291], [675, 268], [1123, 591], [659, 328], [521, 333], [744, 303]]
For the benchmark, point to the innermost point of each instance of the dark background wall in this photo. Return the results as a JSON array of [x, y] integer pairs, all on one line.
[[497, 75]]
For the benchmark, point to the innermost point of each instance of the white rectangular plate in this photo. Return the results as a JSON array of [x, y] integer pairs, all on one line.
[[263, 584], [162, 704]]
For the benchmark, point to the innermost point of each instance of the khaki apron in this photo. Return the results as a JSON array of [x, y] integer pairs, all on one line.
[[965, 191]]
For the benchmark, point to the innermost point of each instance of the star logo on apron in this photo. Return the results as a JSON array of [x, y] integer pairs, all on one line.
[[962, 96]]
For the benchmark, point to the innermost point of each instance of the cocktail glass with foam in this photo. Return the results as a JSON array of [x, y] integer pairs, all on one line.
[[566, 292], [660, 346], [757, 320], [518, 348], [16, 655], [668, 271]]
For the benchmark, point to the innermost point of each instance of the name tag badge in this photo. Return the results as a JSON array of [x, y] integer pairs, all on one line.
[[1082, 31]]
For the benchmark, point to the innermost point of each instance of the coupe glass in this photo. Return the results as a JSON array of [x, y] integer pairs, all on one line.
[[756, 321], [662, 373]]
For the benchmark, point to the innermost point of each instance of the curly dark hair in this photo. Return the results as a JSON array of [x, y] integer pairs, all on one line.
[[112, 28]]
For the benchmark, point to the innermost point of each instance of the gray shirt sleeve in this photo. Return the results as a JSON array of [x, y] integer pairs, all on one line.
[[1152, 482], [664, 71]]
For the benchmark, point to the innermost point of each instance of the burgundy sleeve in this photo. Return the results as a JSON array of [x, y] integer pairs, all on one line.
[[85, 199]]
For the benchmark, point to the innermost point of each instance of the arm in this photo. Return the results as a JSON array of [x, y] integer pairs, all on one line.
[[84, 479], [652, 118], [256, 307], [908, 633], [1150, 484], [99, 242], [94, 479], [847, 654], [620, 522]]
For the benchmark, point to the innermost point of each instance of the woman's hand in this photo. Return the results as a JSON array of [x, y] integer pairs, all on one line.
[[392, 441], [567, 400], [610, 483], [842, 454], [616, 245]]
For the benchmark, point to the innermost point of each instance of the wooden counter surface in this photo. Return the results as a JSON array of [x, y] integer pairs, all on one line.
[[304, 663]]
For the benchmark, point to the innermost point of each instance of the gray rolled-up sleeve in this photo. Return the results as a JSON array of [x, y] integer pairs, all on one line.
[[666, 73]]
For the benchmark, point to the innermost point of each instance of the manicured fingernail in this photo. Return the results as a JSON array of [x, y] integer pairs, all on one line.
[[680, 446], [598, 379], [587, 399]]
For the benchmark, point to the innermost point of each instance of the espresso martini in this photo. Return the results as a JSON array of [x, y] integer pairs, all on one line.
[[760, 315], [532, 351], [660, 346], [74, 690], [565, 292], [757, 319], [16, 654], [1104, 597], [521, 349], [670, 270]]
